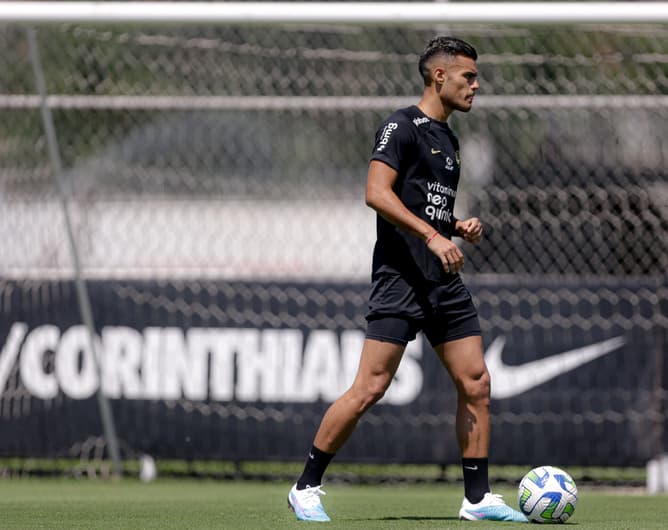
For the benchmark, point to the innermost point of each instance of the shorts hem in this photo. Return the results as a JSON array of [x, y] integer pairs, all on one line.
[[457, 336], [384, 338], [394, 314]]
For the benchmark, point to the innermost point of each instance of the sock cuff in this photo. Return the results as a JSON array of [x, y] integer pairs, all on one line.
[[318, 453], [482, 460]]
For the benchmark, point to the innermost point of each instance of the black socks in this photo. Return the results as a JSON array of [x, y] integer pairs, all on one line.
[[476, 480], [316, 463]]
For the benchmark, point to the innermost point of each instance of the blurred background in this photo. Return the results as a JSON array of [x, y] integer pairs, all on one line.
[[215, 180]]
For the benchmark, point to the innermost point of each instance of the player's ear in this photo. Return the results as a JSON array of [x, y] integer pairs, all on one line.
[[439, 75]]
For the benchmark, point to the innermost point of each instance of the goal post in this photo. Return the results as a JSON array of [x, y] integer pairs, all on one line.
[[215, 171], [358, 13]]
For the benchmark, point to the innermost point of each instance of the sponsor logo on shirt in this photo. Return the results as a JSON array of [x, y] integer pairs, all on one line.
[[385, 135], [438, 206], [449, 164], [419, 121]]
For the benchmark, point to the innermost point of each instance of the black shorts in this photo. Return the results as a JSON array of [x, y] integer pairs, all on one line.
[[399, 308]]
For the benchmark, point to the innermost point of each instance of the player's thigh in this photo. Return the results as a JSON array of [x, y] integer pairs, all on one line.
[[378, 363], [464, 359]]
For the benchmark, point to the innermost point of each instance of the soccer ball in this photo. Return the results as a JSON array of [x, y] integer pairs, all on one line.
[[547, 495]]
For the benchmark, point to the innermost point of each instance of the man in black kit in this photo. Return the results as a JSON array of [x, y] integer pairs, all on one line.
[[412, 184]]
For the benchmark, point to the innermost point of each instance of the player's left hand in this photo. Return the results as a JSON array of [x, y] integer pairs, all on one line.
[[470, 229]]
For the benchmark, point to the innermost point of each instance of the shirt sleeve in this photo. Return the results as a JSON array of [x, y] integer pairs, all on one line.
[[393, 143]]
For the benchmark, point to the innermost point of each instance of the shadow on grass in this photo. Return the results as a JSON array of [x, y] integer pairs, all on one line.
[[409, 518]]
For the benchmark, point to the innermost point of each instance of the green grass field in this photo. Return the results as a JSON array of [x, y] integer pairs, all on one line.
[[192, 504]]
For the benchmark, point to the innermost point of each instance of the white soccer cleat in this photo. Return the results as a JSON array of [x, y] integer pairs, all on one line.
[[306, 504], [490, 508]]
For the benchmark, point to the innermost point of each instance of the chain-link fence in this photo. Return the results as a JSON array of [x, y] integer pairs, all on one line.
[[201, 156], [251, 147]]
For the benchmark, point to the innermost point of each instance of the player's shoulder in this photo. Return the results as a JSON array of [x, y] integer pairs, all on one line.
[[409, 116], [408, 123]]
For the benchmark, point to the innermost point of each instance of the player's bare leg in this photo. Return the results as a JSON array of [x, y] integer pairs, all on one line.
[[464, 360], [378, 364]]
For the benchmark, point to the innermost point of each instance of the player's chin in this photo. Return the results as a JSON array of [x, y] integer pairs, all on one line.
[[466, 105]]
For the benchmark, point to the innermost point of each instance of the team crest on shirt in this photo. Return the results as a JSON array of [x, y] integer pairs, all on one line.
[[449, 164]]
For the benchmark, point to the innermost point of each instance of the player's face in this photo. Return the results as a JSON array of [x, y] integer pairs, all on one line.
[[457, 79]]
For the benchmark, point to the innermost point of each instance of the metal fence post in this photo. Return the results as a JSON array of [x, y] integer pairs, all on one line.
[[81, 290]]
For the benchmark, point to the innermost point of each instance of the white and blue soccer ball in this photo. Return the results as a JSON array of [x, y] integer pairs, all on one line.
[[547, 495]]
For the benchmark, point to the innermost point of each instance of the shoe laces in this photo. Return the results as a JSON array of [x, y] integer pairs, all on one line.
[[310, 496], [494, 499]]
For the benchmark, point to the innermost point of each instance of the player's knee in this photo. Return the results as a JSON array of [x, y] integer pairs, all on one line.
[[376, 391], [371, 392], [475, 388]]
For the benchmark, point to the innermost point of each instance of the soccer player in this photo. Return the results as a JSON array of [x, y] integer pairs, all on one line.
[[412, 184]]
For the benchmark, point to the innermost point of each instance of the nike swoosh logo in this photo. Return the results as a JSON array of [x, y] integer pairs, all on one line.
[[509, 381], [472, 468], [435, 151]]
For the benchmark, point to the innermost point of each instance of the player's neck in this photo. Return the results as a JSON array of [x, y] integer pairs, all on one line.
[[433, 107]]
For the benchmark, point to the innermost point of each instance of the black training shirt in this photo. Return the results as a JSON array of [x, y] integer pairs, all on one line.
[[425, 154]]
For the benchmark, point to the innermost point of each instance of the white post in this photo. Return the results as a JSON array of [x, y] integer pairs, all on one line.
[[425, 13]]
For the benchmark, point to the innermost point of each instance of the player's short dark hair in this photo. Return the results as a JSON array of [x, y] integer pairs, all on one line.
[[449, 46]]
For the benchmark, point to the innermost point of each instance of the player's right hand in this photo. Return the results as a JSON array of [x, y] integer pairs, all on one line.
[[449, 253]]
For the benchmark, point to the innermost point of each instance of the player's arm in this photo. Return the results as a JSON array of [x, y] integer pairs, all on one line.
[[381, 197]]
